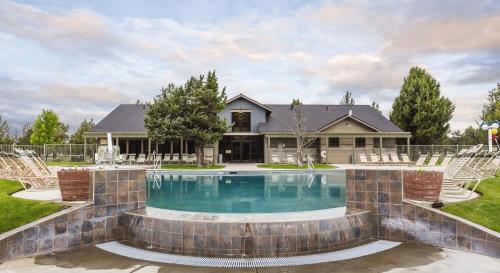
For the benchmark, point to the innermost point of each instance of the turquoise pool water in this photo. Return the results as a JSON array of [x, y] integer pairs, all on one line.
[[247, 193]]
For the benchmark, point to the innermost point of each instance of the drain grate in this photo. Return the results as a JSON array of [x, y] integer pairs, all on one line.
[[351, 253]]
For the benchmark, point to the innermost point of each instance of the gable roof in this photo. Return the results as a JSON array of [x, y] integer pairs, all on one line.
[[317, 117], [242, 96], [124, 118]]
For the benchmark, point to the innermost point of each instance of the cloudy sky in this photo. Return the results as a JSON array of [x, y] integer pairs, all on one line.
[[83, 58]]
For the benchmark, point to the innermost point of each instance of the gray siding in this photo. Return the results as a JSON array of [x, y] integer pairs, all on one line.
[[258, 114]]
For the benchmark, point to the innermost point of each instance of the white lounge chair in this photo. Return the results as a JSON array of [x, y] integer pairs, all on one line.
[[290, 159], [275, 159], [434, 159], [363, 159], [375, 158], [141, 159], [385, 159], [447, 159], [405, 158], [421, 160], [395, 158]]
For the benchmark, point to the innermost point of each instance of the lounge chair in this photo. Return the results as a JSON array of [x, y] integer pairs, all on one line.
[[405, 158], [385, 159], [363, 159], [175, 158], [374, 158], [141, 159], [275, 159], [394, 158], [434, 159], [37, 178], [290, 159], [132, 159], [447, 159], [421, 159]]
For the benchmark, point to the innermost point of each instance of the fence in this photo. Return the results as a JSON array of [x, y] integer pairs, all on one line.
[[58, 152]]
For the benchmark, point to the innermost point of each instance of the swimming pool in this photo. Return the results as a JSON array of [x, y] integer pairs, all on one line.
[[247, 192]]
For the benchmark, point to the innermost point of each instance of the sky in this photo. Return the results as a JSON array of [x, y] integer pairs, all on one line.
[[83, 58]]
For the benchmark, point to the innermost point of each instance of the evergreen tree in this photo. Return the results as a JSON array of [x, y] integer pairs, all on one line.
[[5, 137], [348, 99], [420, 108], [47, 129], [85, 126], [376, 107], [189, 111]]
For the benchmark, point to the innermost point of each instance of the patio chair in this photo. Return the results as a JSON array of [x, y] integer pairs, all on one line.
[[190, 159], [363, 159], [141, 159], [374, 158], [385, 158], [290, 159], [405, 158], [447, 159], [434, 159], [175, 158], [394, 158], [421, 159], [132, 159], [275, 159], [166, 158], [123, 157]]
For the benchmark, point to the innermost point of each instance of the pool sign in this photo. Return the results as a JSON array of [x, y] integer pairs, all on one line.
[[492, 133]]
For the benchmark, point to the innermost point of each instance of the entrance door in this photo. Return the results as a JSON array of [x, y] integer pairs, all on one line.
[[245, 151], [236, 151]]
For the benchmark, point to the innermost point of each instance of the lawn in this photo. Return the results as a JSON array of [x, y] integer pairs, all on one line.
[[190, 167], [66, 164], [484, 210], [15, 212], [292, 166]]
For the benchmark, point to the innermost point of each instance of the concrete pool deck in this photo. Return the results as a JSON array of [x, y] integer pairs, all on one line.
[[404, 258]]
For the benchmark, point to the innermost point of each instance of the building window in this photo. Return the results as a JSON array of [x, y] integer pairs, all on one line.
[[241, 121], [333, 142], [360, 142]]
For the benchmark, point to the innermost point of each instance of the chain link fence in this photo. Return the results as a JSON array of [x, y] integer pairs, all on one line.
[[58, 152]]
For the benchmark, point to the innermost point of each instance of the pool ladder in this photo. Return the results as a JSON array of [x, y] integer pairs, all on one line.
[[310, 165], [156, 167]]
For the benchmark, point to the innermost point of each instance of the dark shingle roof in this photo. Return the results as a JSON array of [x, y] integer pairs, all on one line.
[[318, 116], [124, 118], [130, 118]]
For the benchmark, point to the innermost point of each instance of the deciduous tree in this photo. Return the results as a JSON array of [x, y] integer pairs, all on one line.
[[47, 129], [85, 126], [5, 137]]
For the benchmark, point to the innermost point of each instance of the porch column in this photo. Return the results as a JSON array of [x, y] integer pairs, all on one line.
[[116, 141], [142, 146], [408, 146], [156, 146], [354, 150], [171, 147], [127, 146], [326, 149], [84, 149], [182, 149], [149, 145], [269, 149], [381, 143], [216, 153]]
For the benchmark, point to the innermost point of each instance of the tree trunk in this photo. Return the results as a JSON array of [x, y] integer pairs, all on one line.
[[199, 154], [299, 151]]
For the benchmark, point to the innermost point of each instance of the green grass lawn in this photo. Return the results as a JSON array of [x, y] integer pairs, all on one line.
[[15, 212], [484, 210], [190, 167], [292, 166], [66, 164]]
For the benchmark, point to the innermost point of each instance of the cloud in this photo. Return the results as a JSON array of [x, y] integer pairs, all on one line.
[[449, 35]]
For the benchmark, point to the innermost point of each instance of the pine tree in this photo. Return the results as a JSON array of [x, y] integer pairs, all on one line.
[[5, 137], [420, 108], [348, 99]]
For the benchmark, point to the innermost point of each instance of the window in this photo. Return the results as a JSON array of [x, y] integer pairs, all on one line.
[[333, 142], [360, 142], [241, 121]]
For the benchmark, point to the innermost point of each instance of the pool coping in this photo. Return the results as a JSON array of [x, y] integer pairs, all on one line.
[[280, 217]]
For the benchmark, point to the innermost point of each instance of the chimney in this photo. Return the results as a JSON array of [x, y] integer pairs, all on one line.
[[350, 112]]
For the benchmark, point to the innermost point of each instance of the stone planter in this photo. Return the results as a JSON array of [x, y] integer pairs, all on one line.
[[74, 185], [422, 186]]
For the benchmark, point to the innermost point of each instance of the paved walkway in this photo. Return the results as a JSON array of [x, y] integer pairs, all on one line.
[[405, 258]]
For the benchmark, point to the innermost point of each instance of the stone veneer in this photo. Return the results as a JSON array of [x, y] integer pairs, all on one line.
[[247, 239], [381, 191], [116, 191]]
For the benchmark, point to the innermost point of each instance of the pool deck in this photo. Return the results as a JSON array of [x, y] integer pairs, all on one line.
[[404, 258]]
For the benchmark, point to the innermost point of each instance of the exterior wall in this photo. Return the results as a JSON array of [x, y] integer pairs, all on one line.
[[260, 239], [348, 125], [258, 114], [83, 226], [381, 192]]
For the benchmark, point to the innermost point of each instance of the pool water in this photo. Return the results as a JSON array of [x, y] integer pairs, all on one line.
[[247, 193]]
